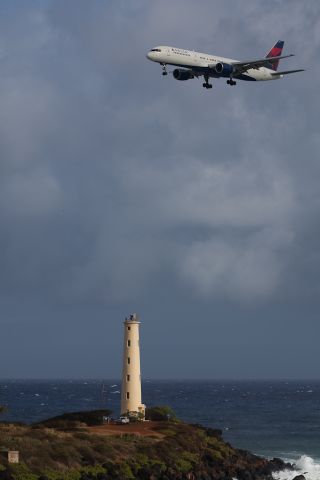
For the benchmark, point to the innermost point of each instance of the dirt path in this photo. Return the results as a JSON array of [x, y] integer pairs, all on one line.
[[140, 429]]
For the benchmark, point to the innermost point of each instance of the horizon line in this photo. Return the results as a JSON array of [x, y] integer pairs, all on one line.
[[170, 379]]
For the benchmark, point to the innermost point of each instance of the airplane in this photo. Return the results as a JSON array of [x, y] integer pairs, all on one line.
[[196, 64]]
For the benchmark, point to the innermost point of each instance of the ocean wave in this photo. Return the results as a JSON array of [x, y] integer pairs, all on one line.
[[305, 465]]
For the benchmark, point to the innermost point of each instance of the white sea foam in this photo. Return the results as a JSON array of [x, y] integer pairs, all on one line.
[[305, 465]]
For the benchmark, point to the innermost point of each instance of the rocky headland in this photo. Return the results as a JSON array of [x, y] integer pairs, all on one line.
[[78, 447]]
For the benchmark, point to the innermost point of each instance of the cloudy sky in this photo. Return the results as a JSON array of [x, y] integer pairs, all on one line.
[[124, 191]]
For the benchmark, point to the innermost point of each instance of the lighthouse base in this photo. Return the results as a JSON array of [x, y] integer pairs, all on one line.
[[137, 414]]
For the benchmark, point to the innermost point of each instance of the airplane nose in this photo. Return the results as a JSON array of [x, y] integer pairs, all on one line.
[[151, 55]]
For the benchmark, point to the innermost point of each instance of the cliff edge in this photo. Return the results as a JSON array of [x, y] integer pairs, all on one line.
[[144, 451]]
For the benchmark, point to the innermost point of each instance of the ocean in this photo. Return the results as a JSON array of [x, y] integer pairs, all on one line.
[[269, 418]]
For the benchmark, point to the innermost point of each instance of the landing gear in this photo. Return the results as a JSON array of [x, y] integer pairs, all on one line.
[[231, 82], [206, 84], [164, 69]]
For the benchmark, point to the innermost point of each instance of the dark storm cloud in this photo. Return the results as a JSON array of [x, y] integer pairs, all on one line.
[[119, 186]]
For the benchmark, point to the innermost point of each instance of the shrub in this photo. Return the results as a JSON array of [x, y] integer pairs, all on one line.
[[20, 471], [183, 466], [75, 419], [160, 414], [125, 472]]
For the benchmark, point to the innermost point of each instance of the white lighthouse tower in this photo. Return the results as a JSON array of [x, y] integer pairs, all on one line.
[[131, 376]]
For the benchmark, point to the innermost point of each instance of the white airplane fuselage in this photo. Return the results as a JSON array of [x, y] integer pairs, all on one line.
[[204, 63]]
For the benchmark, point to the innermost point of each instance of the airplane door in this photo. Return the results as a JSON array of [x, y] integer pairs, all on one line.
[[194, 57]]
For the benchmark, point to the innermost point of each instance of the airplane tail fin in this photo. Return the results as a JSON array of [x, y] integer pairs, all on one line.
[[275, 51]]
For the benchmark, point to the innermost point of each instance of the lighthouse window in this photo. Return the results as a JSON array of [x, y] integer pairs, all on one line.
[[128, 395], [129, 328], [128, 360], [128, 378], [129, 343]]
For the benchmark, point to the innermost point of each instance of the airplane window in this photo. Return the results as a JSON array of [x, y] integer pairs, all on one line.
[[155, 50]]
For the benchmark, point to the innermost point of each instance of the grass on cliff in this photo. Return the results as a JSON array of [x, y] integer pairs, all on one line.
[[71, 455], [67, 421]]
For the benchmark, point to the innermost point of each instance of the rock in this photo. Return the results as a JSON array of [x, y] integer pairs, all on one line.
[[245, 475], [299, 477], [278, 463]]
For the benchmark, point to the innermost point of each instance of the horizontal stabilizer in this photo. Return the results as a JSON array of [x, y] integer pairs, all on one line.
[[276, 74]]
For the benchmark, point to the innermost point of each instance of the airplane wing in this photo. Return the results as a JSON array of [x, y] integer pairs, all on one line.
[[242, 67], [287, 72], [195, 73]]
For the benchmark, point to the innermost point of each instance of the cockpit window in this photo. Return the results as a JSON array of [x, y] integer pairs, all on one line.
[[155, 50]]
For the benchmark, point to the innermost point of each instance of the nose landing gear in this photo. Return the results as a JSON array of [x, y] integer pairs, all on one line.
[[164, 69]]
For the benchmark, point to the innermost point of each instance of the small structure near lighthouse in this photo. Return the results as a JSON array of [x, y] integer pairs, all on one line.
[[131, 376]]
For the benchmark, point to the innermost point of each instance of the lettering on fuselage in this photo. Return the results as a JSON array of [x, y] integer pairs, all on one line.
[[181, 52]]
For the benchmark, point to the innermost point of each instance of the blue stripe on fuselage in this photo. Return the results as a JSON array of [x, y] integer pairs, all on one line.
[[246, 77], [212, 74]]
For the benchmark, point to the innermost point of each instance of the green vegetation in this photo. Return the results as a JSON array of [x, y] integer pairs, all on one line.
[[161, 414], [75, 419], [173, 450], [22, 472]]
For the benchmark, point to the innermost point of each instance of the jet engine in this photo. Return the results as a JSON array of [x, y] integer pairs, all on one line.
[[224, 69], [182, 74]]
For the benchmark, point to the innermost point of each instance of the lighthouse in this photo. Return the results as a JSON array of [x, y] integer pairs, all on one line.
[[131, 377]]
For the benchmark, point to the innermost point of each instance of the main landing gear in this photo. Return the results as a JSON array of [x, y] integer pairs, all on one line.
[[231, 82], [206, 84], [164, 69]]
